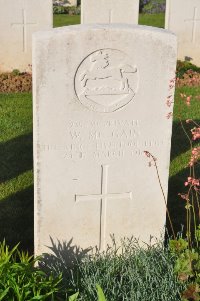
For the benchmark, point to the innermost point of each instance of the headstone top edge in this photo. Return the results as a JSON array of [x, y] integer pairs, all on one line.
[[87, 27]]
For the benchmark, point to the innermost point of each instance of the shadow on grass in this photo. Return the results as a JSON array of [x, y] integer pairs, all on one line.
[[176, 204], [64, 257], [16, 157], [16, 219], [180, 143]]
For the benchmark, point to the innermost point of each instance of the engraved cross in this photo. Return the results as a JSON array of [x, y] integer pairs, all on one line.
[[24, 24], [103, 198], [194, 20], [110, 16]]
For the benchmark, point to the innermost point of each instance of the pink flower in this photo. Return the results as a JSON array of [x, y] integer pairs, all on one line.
[[192, 181], [184, 196], [195, 133], [188, 100]]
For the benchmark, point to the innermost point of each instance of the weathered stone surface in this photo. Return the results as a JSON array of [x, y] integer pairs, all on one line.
[[183, 18], [100, 97], [18, 20], [73, 2], [109, 11]]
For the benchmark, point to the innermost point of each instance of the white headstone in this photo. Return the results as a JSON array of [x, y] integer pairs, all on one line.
[[18, 20], [109, 11], [71, 3], [183, 18], [100, 96]]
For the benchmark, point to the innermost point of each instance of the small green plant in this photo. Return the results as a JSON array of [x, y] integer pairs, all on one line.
[[187, 251], [184, 66], [68, 10], [187, 267], [60, 9], [20, 280], [16, 72], [129, 272]]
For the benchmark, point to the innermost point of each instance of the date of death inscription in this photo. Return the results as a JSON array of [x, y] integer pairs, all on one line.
[[113, 139]]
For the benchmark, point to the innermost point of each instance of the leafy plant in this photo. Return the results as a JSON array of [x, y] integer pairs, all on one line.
[[142, 4], [154, 7], [68, 10], [184, 66], [129, 272], [16, 72], [21, 280]]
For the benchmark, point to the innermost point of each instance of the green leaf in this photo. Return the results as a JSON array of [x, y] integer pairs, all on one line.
[[101, 296], [73, 297], [178, 246], [197, 234], [2, 295], [37, 298]]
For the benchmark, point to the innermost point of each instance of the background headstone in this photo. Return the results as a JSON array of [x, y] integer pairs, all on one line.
[[72, 2], [18, 20], [109, 11], [100, 96], [65, 2], [183, 18]]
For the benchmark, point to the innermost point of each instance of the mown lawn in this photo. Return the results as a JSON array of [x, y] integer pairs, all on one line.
[[65, 20], [16, 169], [181, 152], [156, 20]]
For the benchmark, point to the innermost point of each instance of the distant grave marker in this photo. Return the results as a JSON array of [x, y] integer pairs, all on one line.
[[194, 21], [18, 20], [24, 25], [110, 11], [98, 105], [185, 22]]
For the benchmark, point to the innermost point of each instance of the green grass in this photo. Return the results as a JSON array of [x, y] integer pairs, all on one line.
[[16, 166], [156, 20], [180, 153], [65, 20]]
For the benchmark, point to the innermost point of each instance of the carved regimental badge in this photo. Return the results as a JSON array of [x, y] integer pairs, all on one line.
[[105, 81]]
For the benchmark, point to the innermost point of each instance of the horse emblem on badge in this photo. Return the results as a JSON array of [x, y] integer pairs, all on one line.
[[105, 81]]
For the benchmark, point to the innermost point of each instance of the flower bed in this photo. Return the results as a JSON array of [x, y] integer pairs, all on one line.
[[15, 82]]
